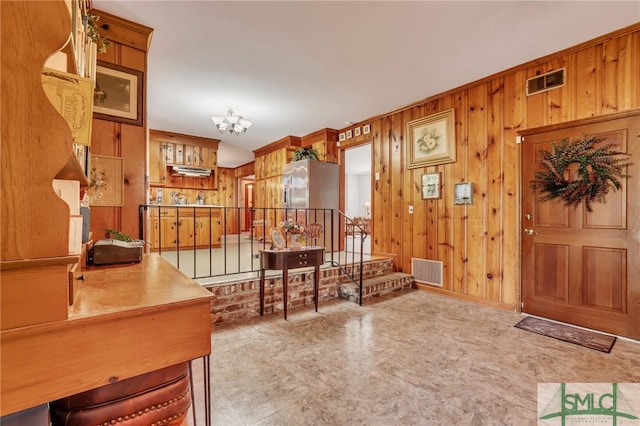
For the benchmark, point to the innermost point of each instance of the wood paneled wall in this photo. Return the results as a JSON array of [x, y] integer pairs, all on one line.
[[129, 45], [479, 244]]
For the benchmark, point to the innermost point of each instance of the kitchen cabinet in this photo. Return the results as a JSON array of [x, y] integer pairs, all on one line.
[[157, 163], [213, 159], [188, 155], [179, 155], [168, 152], [204, 157], [168, 227], [208, 227]]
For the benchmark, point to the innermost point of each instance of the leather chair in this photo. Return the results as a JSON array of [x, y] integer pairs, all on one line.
[[162, 397]]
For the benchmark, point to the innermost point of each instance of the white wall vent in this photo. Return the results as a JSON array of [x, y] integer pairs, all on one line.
[[427, 271], [544, 82]]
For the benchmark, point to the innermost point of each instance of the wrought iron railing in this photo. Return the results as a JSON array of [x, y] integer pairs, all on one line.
[[207, 241]]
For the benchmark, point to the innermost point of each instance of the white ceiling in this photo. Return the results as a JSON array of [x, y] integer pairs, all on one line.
[[295, 67]]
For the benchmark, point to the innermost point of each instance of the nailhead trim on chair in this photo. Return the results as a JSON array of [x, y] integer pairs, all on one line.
[[168, 419], [152, 408]]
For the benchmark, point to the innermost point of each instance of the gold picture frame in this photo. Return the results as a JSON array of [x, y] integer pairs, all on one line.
[[431, 140], [106, 181], [118, 94], [277, 240]]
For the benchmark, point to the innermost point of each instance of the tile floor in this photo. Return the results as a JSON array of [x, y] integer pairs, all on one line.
[[239, 256], [412, 358]]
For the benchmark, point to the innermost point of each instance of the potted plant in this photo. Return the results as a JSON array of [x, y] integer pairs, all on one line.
[[305, 153]]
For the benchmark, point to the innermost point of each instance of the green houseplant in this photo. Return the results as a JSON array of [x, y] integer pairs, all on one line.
[[305, 153]]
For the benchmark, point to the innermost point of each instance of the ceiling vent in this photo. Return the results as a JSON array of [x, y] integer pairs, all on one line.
[[544, 82], [190, 171]]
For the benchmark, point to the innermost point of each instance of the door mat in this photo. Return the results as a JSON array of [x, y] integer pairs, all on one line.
[[566, 333]]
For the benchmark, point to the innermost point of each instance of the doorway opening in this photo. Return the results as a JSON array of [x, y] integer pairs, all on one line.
[[246, 199], [358, 188]]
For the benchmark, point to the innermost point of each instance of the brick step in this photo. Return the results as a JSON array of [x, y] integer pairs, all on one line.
[[376, 286]]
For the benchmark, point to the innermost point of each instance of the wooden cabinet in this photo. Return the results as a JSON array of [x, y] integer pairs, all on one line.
[[213, 159], [203, 159], [35, 259], [179, 155], [170, 227], [209, 227], [51, 350], [157, 163]]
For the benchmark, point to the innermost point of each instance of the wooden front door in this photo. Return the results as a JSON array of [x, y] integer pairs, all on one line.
[[583, 267]]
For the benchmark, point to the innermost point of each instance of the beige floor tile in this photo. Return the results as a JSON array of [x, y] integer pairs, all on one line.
[[413, 358]]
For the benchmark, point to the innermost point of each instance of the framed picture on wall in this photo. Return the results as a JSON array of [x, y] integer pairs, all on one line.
[[463, 193], [356, 131], [341, 137], [118, 94], [366, 129], [106, 181], [431, 186], [349, 134], [431, 140]]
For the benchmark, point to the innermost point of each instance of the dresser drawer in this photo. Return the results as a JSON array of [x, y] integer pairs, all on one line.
[[291, 259], [303, 258]]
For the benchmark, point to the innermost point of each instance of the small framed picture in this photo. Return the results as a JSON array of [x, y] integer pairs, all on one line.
[[366, 129], [356, 131], [431, 186], [463, 193], [106, 181], [118, 94], [341, 137], [349, 134]]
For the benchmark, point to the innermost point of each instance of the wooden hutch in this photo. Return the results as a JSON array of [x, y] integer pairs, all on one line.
[[51, 349]]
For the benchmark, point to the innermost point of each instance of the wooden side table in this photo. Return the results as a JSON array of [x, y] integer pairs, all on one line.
[[290, 259]]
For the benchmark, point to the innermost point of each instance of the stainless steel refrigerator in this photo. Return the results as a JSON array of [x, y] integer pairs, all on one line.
[[313, 185]]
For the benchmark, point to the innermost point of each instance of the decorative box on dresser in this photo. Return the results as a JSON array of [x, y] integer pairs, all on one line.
[[50, 349]]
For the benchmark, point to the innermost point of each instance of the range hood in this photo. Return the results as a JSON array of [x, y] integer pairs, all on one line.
[[190, 171]]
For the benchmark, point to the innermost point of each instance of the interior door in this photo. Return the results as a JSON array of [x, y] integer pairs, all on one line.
[[583, 267], [248, 205]]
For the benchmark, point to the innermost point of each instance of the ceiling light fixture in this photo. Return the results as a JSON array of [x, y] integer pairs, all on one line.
[[231, 123]]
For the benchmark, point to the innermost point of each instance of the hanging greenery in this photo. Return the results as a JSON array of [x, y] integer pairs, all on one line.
[[93, 32], [598, 170]]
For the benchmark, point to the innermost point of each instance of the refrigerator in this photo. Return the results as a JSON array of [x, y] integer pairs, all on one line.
[[311, 184]]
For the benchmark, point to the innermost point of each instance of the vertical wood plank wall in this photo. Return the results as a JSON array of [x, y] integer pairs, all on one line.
[[479, 243], [129, 44]]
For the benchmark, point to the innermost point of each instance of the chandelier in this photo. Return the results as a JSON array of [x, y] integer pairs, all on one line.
[[231, 123]]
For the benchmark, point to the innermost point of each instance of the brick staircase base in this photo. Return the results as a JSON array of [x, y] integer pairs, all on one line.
[[376, 286]]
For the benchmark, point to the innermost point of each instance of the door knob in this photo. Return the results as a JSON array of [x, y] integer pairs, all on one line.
[[528, 216], [529, 232]]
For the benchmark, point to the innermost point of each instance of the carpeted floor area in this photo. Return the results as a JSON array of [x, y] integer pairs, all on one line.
[[412, 358]]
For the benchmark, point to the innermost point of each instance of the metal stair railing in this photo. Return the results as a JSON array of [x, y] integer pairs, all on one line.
[[199, 257]]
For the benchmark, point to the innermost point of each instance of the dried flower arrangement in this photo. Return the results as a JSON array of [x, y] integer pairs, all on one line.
[[598, 170]]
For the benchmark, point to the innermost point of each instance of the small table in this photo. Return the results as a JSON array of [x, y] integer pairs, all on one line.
[[290, 259]]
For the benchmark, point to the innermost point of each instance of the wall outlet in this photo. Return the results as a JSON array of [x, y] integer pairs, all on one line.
[[410, 209], [377, 175]]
